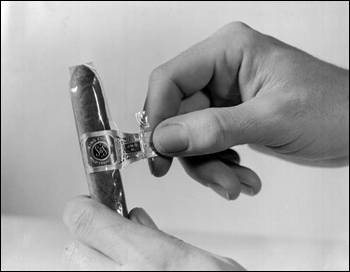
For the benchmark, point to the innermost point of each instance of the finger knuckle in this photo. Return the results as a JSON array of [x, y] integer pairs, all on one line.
[[178, 256], [241, 35], [70, 252], [81, 218], [278, 111], [220, 121], [237, 26], [158, 73], [213, 135]]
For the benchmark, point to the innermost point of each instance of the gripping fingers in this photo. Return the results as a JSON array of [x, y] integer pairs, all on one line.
[[222, 174]]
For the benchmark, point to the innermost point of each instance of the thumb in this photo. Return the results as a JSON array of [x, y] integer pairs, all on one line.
[[140, 216], [216, 129]]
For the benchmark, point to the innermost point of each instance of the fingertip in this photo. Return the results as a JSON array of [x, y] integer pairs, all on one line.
[[133, 215], [160, 165], [84, 216], [140, 216], [250, 182], [234, 193], [228, 180], [258, 183], [227, 194], [212, 172], [247, 190], [250, 179], [72, 206]]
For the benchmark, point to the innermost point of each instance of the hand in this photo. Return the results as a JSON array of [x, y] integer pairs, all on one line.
[[107, 241], [242, 87]]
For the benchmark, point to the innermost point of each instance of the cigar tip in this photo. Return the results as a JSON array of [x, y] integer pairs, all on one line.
[[82, 76]]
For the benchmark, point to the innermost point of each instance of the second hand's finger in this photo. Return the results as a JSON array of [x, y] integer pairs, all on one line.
[[213, 173], [99, 227], [140, 216], [180, 78], [250, 181], [79, 257], [222, 174], [197, 101]]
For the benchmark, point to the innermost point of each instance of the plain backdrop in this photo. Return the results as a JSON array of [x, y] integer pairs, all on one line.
[[41, 165]]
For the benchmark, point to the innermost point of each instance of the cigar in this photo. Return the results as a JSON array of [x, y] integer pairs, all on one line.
[[98, 145]]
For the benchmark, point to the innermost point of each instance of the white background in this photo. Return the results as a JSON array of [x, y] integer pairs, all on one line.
[[41, 166]]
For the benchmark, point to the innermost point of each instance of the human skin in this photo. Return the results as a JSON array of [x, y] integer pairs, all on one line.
[[236, 87], [107, 241], [242, 87]]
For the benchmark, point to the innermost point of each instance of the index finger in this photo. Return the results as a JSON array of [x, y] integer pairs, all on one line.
[[100, 228], [169, 84], [181, 77]]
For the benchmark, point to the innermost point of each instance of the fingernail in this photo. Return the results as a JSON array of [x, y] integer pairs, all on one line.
[[149, 221], [151, 165], [136, 217], [219, 190], [170, 139], [245, 189]]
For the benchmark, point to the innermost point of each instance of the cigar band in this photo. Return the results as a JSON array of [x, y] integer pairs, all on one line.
[[110, 149]]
